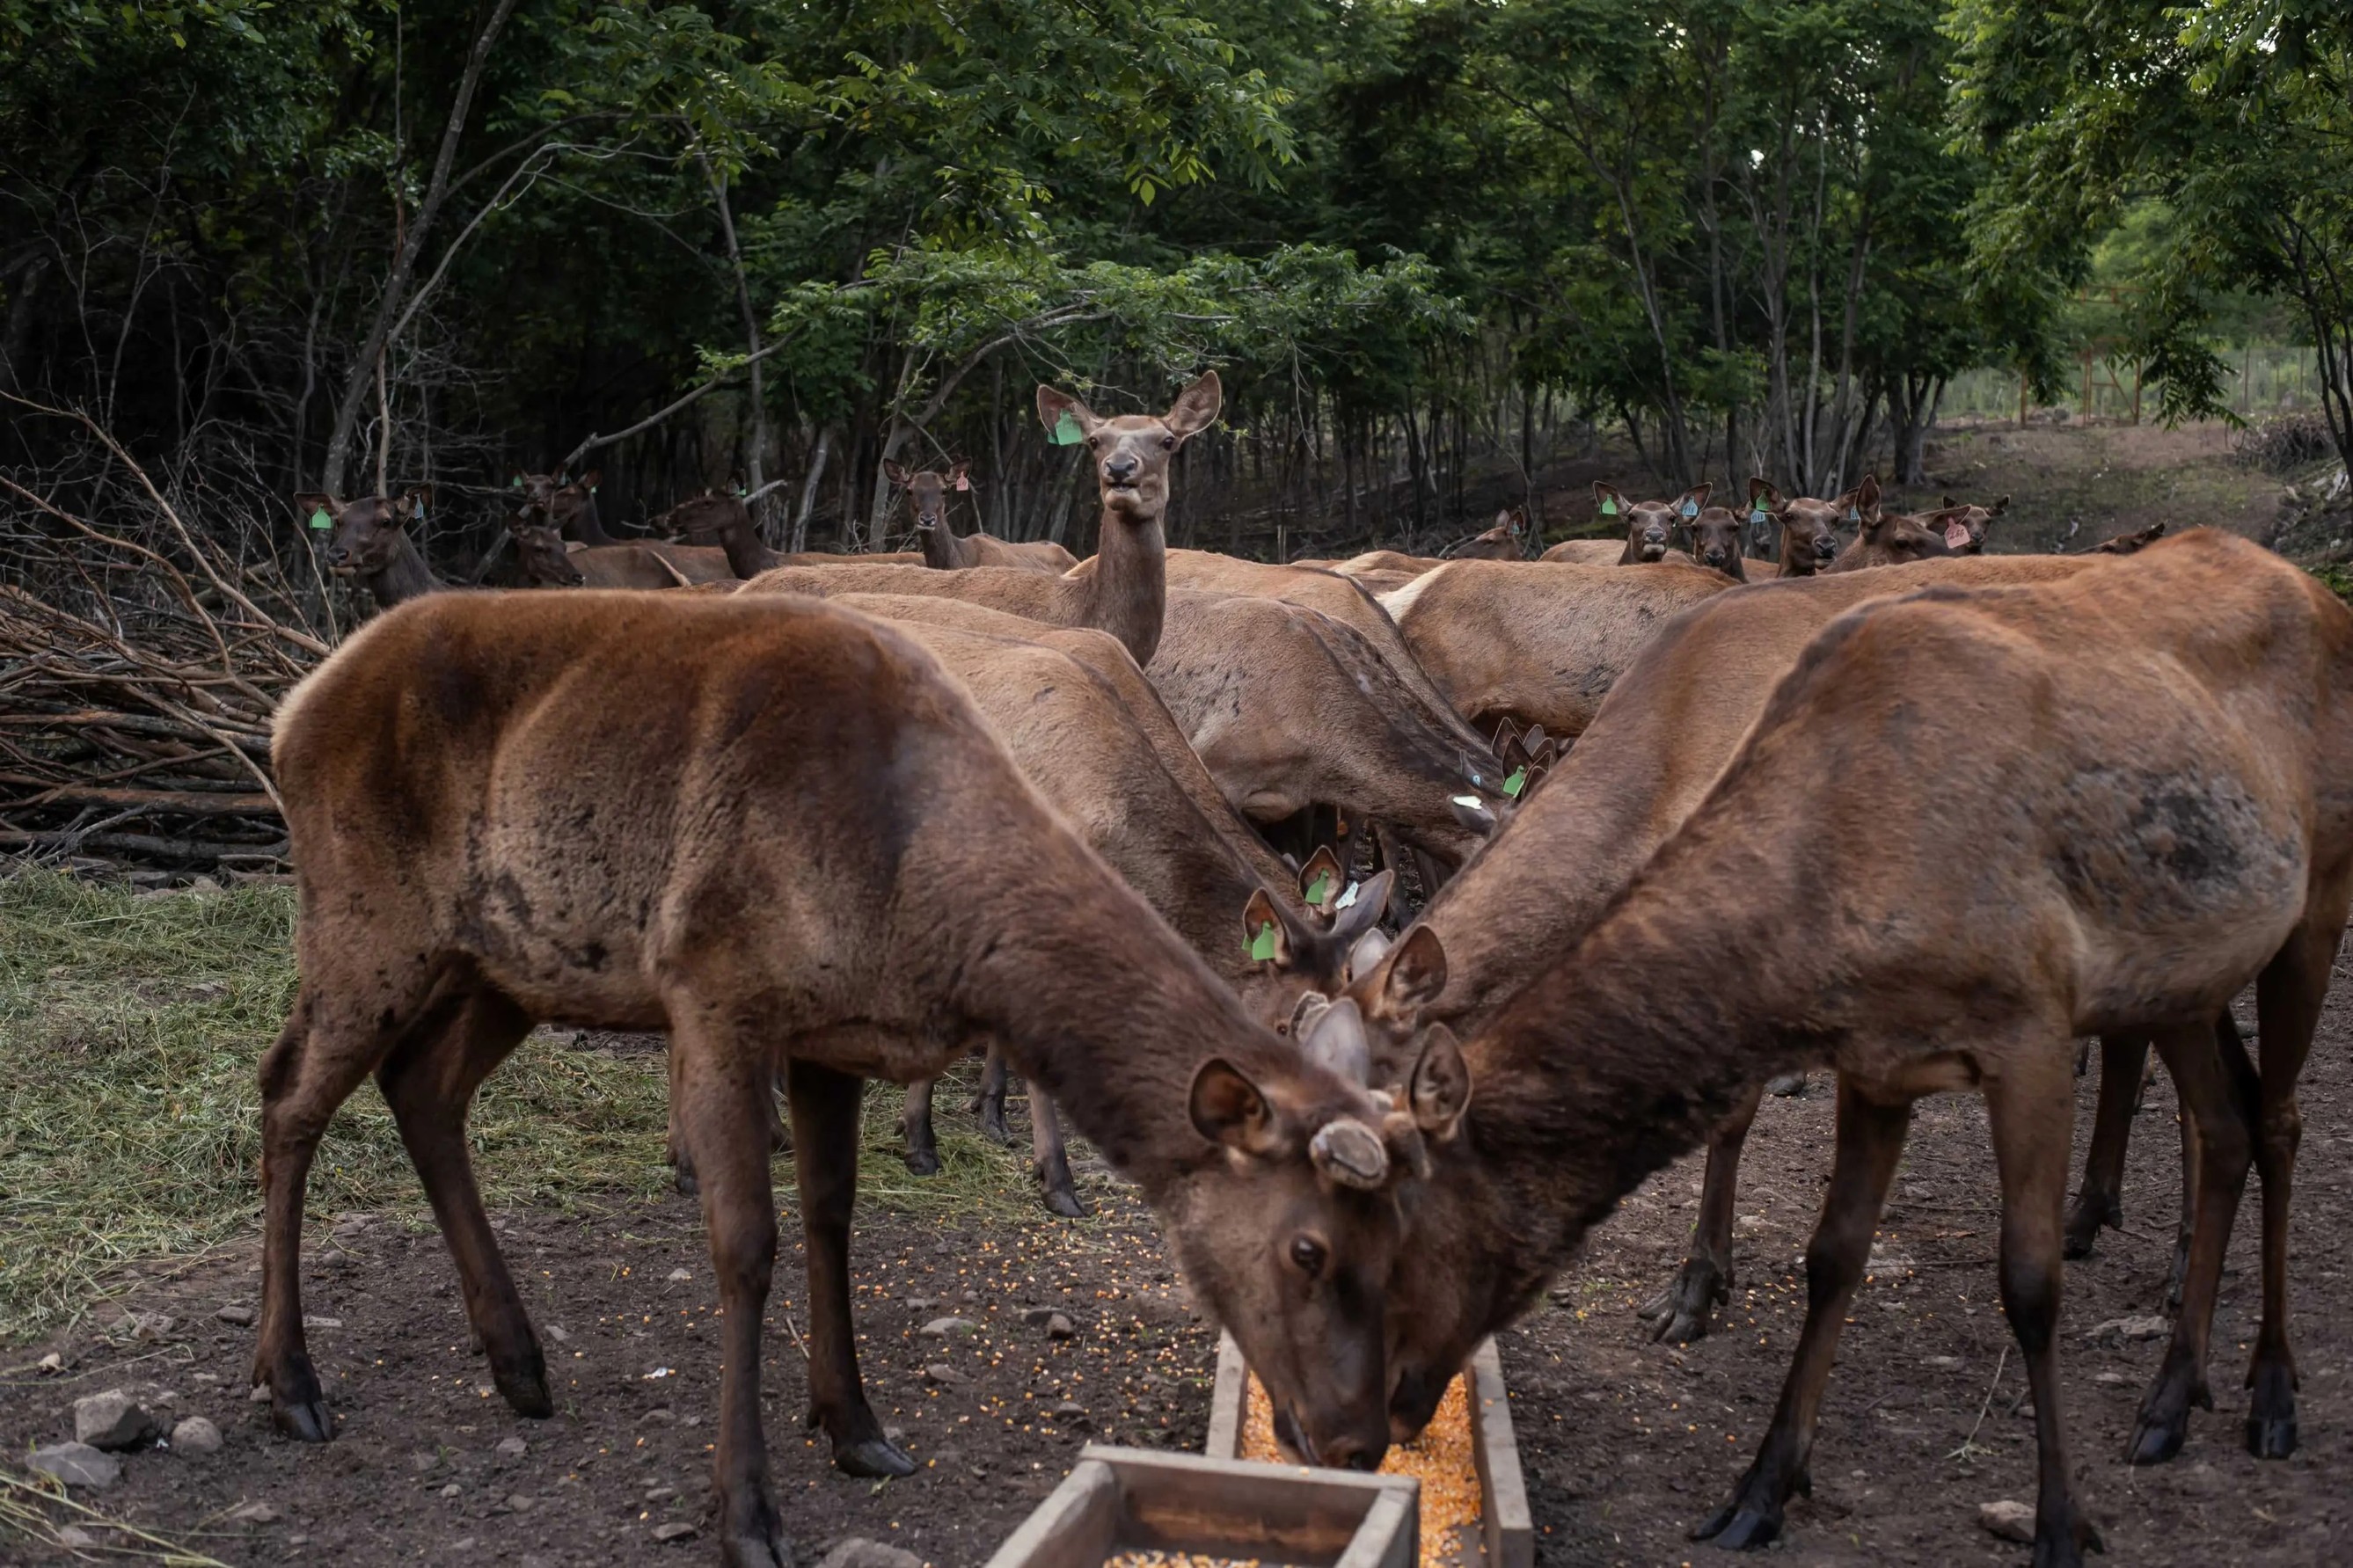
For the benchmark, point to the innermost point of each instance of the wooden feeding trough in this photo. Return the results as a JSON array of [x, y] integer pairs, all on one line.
[[1123, 1506], [1473, 1503]]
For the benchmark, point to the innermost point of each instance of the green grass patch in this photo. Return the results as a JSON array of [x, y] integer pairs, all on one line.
[[133, 1028], [2336, 579]]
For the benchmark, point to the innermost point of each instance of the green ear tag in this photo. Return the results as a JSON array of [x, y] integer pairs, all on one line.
[[1066, 431], [515, 483], [1320, 889], [1262, 945], [1516, 783], [319, 519], [1608, 506]]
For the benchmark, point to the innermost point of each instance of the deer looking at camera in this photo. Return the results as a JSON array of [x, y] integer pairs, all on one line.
[[368, 539], [1123, 588], [1650, 525], [1809, 539], [828, 858], [2155, 818], [927, 500]]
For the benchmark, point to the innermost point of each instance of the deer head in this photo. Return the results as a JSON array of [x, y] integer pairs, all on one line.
[[363, 537], [1716, 535], [927, 492], [1810, 539], [544, 560], [1964, 526], [1131, 451], [1650, 525]]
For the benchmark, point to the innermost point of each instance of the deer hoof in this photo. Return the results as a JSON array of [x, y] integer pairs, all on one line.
[[992, 1123], [872, 1459], [1741, 1525], [758, 1541], [1064, 1202], [524, 1387], [2065, 1547], [2272, 1437], [1679, 1314], [923, 1161], [682, 1176], [2156, 1438], [304, 1420], [2086, 1218]]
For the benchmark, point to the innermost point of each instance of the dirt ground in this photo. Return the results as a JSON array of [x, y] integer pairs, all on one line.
[[1626, 1443]]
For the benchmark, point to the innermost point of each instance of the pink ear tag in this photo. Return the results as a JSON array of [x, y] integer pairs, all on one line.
[[1956, 536], [964, 481]]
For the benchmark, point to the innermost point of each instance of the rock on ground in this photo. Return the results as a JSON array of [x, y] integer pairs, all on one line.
[[77, 1465], [196, 1436], [2010, 1520], [114, 1419], [859, 1553]]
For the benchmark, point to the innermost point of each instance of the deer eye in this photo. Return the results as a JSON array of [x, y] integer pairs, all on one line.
[[1283, 1027], [1168, 443], [1308, 1253], [1093, 441]]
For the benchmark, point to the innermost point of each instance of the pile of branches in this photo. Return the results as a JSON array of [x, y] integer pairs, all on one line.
[[141, 665], [2283, 443]]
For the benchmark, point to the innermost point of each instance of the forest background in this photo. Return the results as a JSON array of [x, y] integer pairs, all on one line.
[[360, 246]]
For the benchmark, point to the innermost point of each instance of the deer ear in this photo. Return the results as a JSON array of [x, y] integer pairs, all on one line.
[[1699, 493], [1473, 812], [1226, 1108], [1417, 971], [1368, 952], [1053, 403], [592, 477], [1336, 1041], [1320, 880], [895, 474], [309, 504], [1999, 507], [1196, 408], [1440, 1090], [1266, 930], [959, 474], [1365, 914]]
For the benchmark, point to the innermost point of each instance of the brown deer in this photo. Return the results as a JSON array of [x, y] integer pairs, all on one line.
[[1974, 520], [1539, 641], [830, 859], [1650, 525], [1891, 538], [368, 539], [1809, 539], [2154, 824], [927, 500], [1718, 537], [570, 508], [2131, 544], [1123, 588], [1504, 542], [1586, 553], [546, 562]]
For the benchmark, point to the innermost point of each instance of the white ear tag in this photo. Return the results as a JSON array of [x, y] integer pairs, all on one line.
[[1346, 899]]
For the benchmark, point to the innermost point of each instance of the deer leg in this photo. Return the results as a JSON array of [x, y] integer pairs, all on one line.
[[2099, 1201], [725, 1125], [680, 1157], [1049, 1159], [2218, 1097], [2184, 1227], [915, 1126], [825, 1138], [2288, 995], [2030, 1107], [320, 1055], [1681, 1311], [990, 1100], [1870, 1141], [429, 1081]]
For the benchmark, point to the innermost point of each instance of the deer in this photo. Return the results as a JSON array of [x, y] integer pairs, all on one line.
[[1106, 754], [1810, 541], [1716, 537], [1670, 726], [1650, 525], [2131, 544], [1974, 519], [1123, 588], [1539, 641], [2157, 747], [1502, 543], [1890, 538], [546, 562], [1586, 553], [368, 539], [569, 508], [712, 518], [829, 858], [942, 550]]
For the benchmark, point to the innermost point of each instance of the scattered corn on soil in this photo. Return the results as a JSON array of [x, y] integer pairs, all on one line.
[[1176, 1559], [1439, 1459]]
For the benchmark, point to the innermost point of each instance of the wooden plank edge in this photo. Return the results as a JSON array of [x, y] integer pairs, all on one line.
[[1074, 1528], [1229, 1401], [1390, 1536], [1510, 1528]]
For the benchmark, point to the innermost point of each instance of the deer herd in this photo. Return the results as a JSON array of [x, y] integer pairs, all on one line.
[[1146, 826]]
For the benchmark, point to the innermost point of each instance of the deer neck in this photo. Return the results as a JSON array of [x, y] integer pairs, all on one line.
[[747, 556], [939, 548], [403, 577], [1626, 1054], [587, 527], [1127, 593]]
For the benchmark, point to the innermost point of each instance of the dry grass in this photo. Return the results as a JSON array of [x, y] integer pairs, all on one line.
[[131, 1028]]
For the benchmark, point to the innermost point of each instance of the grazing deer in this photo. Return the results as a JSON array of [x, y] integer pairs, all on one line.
[[546, 562], [1504, 542], [2156, 816], [1809, 539], [1539, 641], [1347, 600], [368, 539], [927, 500], [828, 858], [1123, 588], [1650, 525]]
